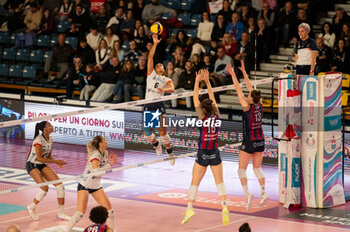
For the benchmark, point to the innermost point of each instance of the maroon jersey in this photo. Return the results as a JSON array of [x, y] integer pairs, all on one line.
[[209, 134], [252, 123]]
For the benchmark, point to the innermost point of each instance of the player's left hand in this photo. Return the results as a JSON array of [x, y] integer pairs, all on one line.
[[155, 39], [112, 158]]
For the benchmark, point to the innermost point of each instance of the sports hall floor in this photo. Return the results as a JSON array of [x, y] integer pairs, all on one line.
[[152, 198]]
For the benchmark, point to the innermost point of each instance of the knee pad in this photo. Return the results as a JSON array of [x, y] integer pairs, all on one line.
[[166, 139], [110, 219], [192, 193], [259, 173], [77, 217], [60, 191], [221, 189], [242, 173], [150, 138], [40, 195]]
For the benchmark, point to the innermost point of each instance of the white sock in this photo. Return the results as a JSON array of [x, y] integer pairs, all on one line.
[[245, 189], [32, 206], [73, 220], [189, 205], [60, 209], [110, 219], [262, 189]]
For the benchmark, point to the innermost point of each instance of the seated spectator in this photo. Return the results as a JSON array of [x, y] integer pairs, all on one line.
[[302, 17], [197, 62], [102, 19], [183, 41], [220, 68], [244, 228], [324, 57], [73, 31], [178, 58], [126, 76], [109, 79], [140, 77], [205, 28], [213, 50], [264, 38], [93, 38], [345, 34], [340, 61], [219, 28], [236, 27], [141, 39], [287, 23], [13, 228], [137, 8], [245, 52], [110, 37], [226, 11], [208, 64], [229, 45], [172, 74], [116, 21], [186, 84], [153, 12], [268, 14], [33, 18], [172, 22], [98, 215], [91, 82], [65, 9], [138, 23], [117, 51], [128, 26], [339, 19], [327, 35], [133, 54], [85, 52], [80, 17], [102, 54], [251, 28], [197, 47], [47, 24], [247, 12], [61, 57], [75, 77]]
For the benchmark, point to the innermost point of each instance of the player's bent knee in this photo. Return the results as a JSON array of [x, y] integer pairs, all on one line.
[[45, 188], [40, 195], [166, 139], [242, 173], [150, 138], [60, 191], [259, 173]]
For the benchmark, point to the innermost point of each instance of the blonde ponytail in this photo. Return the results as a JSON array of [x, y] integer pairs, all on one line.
[[94, 144]]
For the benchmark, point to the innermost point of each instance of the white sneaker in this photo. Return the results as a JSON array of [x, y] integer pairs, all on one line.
[[32, 213], [158, 148], [172, 161], [250, 199], [263, 199], [62, 216]]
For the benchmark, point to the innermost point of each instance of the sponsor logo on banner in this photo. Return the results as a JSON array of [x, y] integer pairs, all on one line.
[[296, 172], [332, 123], [151, 119], [310, 141], [78, 129], [311, 91]]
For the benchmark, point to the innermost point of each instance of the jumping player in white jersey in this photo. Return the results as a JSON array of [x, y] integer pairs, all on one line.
[[39, 155], [157, 85], [91, 184]]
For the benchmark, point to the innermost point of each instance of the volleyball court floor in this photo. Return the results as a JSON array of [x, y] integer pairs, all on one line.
[[153, 198]]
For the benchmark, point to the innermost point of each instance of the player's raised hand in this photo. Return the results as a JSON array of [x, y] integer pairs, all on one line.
[[230, 70], [112, 158], [242, 68], [155, 39]]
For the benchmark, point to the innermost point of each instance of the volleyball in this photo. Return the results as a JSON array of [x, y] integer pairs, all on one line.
[[157, 28]]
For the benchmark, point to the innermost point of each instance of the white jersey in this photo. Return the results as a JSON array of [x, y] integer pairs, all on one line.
[[46, 146], [93, 182], [155, 81]]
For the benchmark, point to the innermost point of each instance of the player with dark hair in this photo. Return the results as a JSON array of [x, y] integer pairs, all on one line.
[[99, 216], [157, 84], [208, 152], [253, 143], [39, 156]]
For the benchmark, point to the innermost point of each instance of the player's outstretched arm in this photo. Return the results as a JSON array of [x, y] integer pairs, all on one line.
[[241, 97], [150, 64], [246, 78]]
